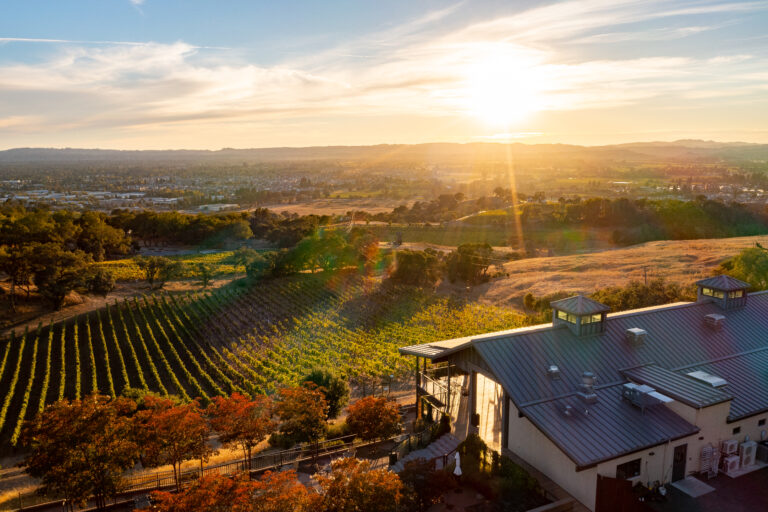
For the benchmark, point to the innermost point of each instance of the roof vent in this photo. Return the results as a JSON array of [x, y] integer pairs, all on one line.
[[554, 372], [587, 388], [712, 380], [568, 411], [714, 321], [636, 336], [642, 396]]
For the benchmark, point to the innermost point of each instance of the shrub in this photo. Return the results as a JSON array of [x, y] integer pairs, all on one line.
[[101, 281], [282, 441], [337, 430]]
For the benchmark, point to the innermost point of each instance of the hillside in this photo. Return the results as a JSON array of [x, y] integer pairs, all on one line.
[[649, 152], [681, 261], [239, 338]]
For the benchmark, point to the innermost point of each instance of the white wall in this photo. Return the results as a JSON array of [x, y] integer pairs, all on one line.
[[528, 442], [489, 406]]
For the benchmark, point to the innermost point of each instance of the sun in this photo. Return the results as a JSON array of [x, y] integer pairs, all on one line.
[[503, 89]]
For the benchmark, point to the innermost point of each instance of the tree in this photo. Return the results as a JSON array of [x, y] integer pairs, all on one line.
[[424, 484], [750, 265], [205, 274], [172, 434], [273, 492], [213, 493], [302, 411], [418, 268], [17, 262], [282, 492], [58, 272], [469, 263], [260, 265], [81, 448], [353, 486], [98, 238], [334, 388], [244, 255], [158, 269], [100, 281], [374, 418], [241, 421]]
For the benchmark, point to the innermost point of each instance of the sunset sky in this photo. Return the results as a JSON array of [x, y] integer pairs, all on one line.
[[156, 74]]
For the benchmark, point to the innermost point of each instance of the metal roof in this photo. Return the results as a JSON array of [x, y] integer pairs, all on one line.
[[579, 305], [679, 386], [677, 337], [724, 283], [677, 342], [612, 427], [439, 349], [747, 377]]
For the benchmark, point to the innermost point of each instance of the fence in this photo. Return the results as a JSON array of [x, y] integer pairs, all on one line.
[[411, 442], [260, 462]]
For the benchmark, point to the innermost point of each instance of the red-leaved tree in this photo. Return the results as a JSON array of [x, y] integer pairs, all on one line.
[[171, 434], [353, 486], [374, 418], [81, 448], [273, 492], [302, 412], [241, 421]]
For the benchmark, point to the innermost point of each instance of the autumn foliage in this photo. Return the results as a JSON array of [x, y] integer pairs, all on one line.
[[273, 492], [302, 412], [353, 486], [171, 434], [374, 418], [241, 421], [81, 448]]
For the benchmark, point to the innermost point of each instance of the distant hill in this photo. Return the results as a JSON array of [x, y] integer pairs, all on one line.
[[640, 152]]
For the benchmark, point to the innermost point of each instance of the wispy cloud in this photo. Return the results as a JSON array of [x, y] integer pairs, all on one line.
[[416, 68], [99, 43]]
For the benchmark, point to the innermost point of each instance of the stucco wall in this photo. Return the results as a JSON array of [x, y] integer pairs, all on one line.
[[528, 442], [715, 429], [489, 406]]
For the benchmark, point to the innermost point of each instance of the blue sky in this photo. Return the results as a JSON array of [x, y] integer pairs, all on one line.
[[205, 74]]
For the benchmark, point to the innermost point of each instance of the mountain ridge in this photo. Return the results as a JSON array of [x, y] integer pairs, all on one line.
[[683, 150]]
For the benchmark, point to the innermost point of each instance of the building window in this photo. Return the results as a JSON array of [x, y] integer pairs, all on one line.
[[628, 470], [737, 430], [761, 422], [736, 294], [709, 292], [562, 315], [591, 319]]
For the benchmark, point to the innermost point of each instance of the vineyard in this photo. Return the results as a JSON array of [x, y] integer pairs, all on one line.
[[221, 262], [238, 338]]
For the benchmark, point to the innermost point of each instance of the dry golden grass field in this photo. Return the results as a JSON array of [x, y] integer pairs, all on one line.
[[339, 206], [683, 261]]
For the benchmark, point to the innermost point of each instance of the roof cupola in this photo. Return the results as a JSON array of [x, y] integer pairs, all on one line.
[[582, 315], [725, 291]]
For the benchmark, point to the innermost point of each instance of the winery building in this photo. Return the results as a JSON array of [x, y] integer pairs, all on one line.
[[654, 394]]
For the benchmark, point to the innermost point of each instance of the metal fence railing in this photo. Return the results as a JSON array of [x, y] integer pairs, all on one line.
[[260, 462]]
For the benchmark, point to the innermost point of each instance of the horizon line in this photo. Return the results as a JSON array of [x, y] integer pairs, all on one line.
[[467, 143]]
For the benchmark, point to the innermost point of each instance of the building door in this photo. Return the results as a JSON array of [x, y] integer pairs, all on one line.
[[678, 462]]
